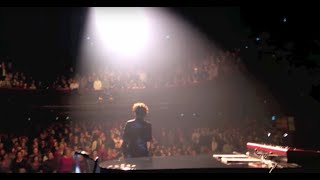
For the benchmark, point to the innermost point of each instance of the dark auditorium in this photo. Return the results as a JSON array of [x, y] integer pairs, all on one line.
[[159, 89]]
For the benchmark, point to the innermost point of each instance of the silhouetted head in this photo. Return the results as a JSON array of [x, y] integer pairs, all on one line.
[[140, 109], [50, 155]]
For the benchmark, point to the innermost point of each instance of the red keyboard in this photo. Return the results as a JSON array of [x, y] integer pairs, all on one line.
[[279, 150], [289, 154]]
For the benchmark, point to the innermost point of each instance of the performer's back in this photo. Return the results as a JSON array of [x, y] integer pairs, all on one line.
[[136, 135]]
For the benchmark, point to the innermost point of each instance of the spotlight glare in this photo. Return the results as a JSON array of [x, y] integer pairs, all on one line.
[[57, 118], [285, 135], [123, 31], [269, 134]]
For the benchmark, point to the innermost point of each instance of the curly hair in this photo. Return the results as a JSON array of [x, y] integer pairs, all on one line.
[[140, 108]]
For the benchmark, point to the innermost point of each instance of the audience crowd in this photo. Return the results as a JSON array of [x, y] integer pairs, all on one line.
[[53, 149], [184, 74]]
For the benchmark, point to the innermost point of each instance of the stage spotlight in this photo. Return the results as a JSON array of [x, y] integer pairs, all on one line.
[[57, 118], [123, 31]]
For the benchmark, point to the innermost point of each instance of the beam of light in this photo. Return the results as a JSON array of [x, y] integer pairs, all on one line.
[[156, 38], [124, 32]]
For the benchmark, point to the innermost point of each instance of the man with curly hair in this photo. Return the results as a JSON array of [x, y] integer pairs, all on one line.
[[137, 133]]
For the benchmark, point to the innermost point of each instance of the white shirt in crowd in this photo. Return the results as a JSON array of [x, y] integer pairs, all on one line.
[[74, 85], [97, 85]]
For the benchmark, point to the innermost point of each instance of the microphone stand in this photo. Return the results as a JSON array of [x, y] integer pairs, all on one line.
[[86, 155]]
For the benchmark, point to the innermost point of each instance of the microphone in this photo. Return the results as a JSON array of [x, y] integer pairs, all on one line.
[[82, 153], [86, 155]]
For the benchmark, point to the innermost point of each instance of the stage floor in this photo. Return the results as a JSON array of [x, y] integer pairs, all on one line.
[[167, 163], [199, 163]]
